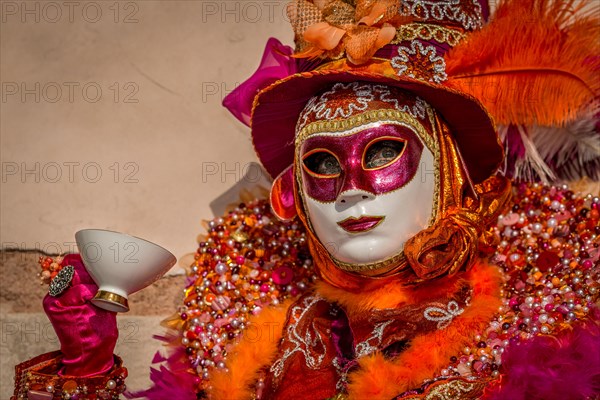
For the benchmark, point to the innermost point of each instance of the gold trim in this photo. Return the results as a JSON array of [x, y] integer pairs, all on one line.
[[436, 156], [401, 119], [314, 174], [111, 297], [354, 121], [381, 139], [454, 388], [371, 269], [440, 34]]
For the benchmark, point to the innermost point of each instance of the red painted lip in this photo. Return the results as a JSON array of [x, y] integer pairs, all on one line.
[[362, 224]]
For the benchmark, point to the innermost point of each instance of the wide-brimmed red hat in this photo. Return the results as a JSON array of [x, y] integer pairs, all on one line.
[[390, 42], [435, 49]]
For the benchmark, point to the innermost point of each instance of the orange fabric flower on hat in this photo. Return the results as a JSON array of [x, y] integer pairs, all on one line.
[[333, 27]]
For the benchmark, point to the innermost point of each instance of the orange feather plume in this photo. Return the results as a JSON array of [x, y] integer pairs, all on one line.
[[536, 62]]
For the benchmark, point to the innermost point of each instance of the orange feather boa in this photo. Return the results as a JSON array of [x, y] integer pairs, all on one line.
[[377, 377]]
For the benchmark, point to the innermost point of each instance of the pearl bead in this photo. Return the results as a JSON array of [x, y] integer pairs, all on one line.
[[221, 268], [111, 384]]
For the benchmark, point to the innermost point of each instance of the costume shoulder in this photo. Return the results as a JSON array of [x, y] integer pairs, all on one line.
[[247, 269], [544, 340], [250, 267]]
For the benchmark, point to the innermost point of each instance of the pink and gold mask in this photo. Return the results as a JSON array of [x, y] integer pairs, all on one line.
[[369, 184], [378, 158], [380, 185]]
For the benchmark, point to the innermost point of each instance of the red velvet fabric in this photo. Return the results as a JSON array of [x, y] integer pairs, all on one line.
[[87, 334]]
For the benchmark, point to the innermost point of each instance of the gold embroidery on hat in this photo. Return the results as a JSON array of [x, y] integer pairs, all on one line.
[[440, 34], [420, 62], [467, 14]]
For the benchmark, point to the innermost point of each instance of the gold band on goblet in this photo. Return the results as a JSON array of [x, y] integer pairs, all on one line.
[[116, 302]]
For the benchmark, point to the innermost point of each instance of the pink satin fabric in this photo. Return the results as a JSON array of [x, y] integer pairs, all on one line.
[[276, 64], [87, 334]]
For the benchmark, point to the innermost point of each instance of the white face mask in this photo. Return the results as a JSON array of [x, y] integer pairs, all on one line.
[[370, 216]]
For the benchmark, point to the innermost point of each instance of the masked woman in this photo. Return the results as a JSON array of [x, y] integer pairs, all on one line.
[[380, 149], [393, 259]]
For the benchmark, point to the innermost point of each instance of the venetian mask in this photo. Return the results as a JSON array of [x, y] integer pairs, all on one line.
[[366, 168]]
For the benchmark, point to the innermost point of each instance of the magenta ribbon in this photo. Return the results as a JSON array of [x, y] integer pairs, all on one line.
[[87, 334], [276, 63]]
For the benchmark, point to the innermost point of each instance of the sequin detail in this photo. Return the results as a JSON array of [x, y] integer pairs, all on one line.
[[467, 14], [441, 314], [440, 34], [450, 390], [321, 108], [61, 281], [302, 342], [367, 347], [420, 62]]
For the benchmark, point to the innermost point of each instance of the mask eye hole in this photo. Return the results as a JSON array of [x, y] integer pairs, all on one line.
[[382, 152], [321, 164]]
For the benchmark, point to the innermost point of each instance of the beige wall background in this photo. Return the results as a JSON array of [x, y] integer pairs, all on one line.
[[111, 115]]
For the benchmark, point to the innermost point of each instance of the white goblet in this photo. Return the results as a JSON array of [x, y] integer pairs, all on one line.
[[120, 265]]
